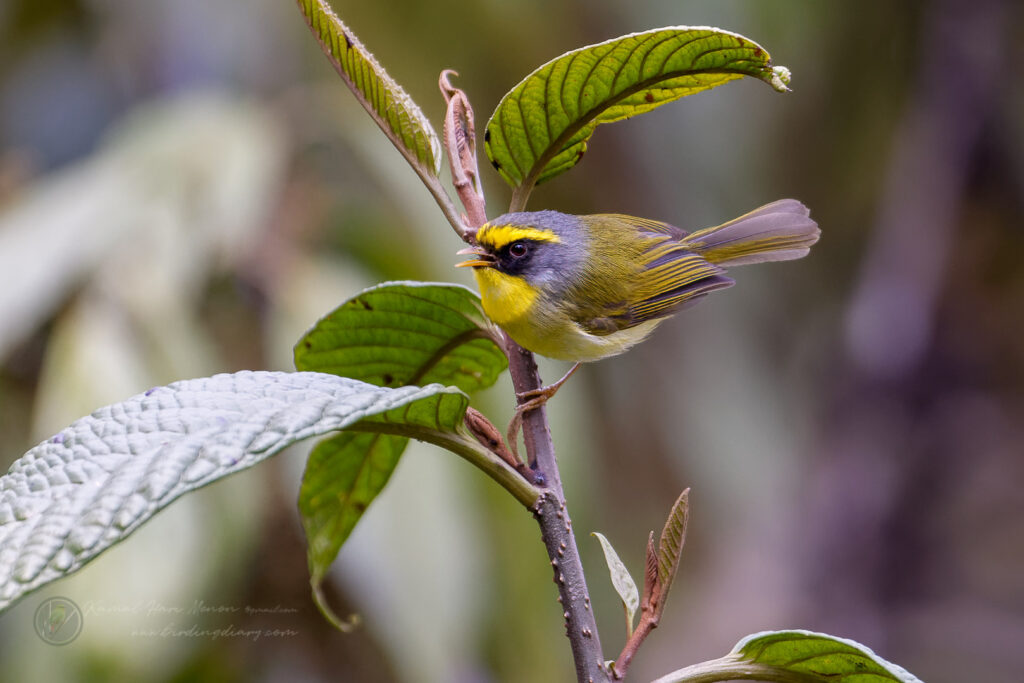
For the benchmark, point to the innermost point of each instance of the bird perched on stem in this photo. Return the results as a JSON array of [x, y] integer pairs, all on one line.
[[582, 288]]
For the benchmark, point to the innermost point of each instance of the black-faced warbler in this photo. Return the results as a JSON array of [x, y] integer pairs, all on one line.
[[582, 288]]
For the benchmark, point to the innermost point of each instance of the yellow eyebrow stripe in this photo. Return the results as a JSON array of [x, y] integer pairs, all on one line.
[[498, 236]]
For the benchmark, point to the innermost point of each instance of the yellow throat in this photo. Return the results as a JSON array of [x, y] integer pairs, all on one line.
[[507, 299]]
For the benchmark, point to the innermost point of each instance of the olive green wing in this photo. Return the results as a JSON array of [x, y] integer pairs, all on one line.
[[672, 278], [667, 276]]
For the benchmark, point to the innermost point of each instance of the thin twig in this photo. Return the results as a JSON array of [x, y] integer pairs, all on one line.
[[648, 622], [649, 614], [467, 444], [660, 569]]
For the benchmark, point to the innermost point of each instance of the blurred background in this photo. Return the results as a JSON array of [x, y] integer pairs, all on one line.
[[186, 186]]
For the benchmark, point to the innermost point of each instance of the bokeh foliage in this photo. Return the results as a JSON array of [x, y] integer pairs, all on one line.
[[226, 194]]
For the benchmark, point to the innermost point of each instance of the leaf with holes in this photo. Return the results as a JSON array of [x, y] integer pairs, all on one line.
[[386, 102], [797, 656], [541, 127], [90, 486], [399, 333]]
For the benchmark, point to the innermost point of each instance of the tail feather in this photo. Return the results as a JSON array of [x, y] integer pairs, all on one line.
[[779, 231]]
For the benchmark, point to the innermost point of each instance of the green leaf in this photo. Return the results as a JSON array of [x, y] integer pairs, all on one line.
[[90, 486], [386, 102], [343, 475], [394, 334], [400, 333], [541, 127], [827, 657], [622, 581], [797, 656]]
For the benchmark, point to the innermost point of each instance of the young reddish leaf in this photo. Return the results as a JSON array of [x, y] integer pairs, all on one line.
[[670, 547]]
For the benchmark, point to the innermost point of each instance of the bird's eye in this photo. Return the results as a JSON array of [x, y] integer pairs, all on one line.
[[517, 249]]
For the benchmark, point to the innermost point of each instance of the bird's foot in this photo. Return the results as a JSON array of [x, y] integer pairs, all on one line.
[[532, 400]]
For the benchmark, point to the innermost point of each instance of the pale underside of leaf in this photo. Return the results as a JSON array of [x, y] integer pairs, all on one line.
[[541, 127], [94, 483], [389, 105], [623, 582], [795, 657]]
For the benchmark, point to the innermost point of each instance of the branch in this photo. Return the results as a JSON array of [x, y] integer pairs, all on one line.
[[549, 509], [556, 527]]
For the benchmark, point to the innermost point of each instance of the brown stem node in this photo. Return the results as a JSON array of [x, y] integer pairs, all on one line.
[[490, 438]]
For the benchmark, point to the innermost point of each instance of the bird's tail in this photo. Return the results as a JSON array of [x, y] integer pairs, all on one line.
[[779, 231]]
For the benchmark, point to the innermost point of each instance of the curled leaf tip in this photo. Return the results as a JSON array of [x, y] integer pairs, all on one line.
[[780, 78], [541, 127], [444, 81], [347, 625]]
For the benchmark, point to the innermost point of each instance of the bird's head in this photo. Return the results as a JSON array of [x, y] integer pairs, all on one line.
[[541, 248]]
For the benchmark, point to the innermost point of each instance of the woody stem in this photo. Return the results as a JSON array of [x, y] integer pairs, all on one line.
[[550, 509]]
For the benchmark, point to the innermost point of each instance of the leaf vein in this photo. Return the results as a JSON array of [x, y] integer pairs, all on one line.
[[685, 44], [649, 50], [505, 125]]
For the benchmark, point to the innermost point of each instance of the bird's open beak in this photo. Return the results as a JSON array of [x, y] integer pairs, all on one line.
[[483, 258]]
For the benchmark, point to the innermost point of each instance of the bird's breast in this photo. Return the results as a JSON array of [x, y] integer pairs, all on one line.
[[544, 328]]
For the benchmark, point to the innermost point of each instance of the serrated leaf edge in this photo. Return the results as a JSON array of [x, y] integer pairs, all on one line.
[[777, 77], [329, 30]]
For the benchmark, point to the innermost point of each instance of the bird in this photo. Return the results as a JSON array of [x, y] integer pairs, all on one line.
[[582, 288]]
